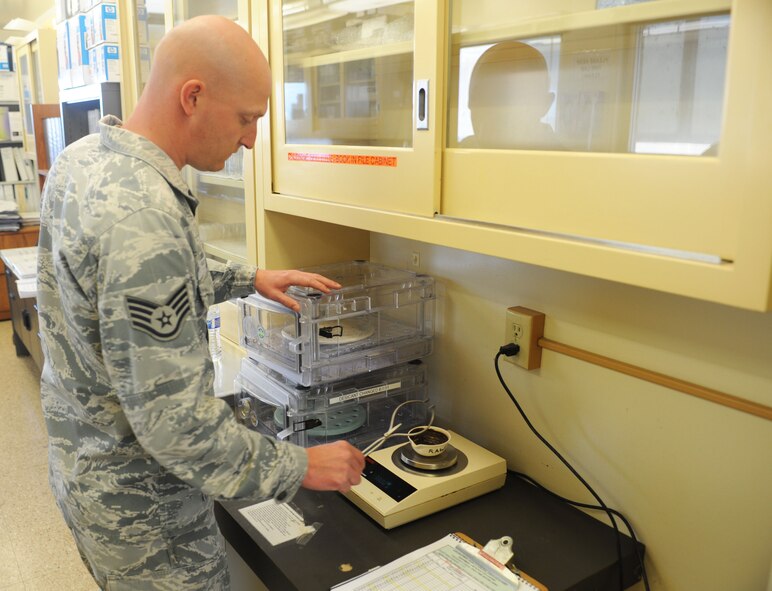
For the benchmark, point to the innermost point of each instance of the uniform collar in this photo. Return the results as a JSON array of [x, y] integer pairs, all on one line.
[[113, 136]]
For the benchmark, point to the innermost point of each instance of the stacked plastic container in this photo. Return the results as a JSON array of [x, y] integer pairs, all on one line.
[[340, 367]]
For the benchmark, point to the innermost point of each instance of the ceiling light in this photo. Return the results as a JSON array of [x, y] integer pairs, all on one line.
[[19, 24]]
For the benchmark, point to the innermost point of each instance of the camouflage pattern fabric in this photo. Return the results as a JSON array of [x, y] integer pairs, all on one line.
[[138, 445]]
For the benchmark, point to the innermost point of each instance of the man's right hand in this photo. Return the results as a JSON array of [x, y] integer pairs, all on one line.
[[333, 466]]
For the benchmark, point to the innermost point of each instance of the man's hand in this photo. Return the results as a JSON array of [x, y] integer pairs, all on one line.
[[273, 284], [333, 466]]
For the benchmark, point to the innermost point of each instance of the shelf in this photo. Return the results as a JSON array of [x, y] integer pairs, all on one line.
[[223, 181], [90, 92], [228, 250], [17, 182]]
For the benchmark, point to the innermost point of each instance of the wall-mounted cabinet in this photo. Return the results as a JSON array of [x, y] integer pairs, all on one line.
[[355, 120], [620, 140]]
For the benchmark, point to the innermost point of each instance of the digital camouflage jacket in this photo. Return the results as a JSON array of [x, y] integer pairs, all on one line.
[[123, 289]]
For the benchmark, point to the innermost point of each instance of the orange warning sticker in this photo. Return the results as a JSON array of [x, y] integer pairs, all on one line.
[[362, 159]]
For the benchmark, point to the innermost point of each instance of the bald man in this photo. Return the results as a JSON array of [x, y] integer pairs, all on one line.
[[138, 446]]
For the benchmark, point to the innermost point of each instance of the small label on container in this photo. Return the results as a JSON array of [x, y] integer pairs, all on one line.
[[366, 392]]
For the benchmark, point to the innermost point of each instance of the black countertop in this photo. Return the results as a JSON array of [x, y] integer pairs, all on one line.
[[558, 545]]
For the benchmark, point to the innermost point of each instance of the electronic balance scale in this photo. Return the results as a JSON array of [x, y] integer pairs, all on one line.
[[398, 485]]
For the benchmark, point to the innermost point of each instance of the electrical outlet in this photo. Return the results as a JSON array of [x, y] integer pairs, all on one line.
[[415, 259], [525, 327]]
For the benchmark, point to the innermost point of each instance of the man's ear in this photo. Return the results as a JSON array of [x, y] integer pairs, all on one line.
[[189, 94]]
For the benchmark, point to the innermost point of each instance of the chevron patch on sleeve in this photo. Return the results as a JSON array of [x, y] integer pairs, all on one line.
[[163, 322]]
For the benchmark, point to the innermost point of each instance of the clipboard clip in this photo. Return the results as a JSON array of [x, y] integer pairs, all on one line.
[[499, 549]]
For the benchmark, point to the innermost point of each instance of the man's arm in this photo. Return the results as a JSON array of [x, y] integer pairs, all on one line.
[[155, 350], [233, 280]]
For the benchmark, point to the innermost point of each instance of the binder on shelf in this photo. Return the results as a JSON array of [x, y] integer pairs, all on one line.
[[15, 126], [20, 194], [21, 167], [452, 562], [5, 125], [10, 174], [30, 168]]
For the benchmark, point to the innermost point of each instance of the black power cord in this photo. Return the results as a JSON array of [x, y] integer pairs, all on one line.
[[509, 350], [596, 508]]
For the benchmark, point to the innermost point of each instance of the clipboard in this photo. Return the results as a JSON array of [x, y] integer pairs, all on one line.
[[521, 574], [452, 562]]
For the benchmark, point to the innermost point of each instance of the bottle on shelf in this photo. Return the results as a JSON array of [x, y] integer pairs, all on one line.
[[213, 328]]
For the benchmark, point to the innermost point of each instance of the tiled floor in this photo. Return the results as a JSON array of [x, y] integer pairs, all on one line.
[[36, 550]]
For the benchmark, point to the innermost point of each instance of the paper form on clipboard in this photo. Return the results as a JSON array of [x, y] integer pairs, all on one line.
[[449, 564]]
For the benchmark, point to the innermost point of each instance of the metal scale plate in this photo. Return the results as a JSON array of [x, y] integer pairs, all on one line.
[[393, 492]]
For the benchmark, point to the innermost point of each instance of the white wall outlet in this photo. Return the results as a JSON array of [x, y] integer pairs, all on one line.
[[525, 327], [415, 260]]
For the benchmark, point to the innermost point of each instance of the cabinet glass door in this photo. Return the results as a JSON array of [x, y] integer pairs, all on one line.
[[221, 212], [354, 114], [597, 119]]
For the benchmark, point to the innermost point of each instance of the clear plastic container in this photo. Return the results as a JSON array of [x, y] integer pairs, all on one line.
[[380, 317], [357, 409]]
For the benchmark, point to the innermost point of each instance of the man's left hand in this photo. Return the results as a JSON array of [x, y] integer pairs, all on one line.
[[273, 284]]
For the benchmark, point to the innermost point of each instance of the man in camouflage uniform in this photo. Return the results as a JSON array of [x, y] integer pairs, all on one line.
[[139, 447]]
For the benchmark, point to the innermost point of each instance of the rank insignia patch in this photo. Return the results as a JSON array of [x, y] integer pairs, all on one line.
[[161, 321]]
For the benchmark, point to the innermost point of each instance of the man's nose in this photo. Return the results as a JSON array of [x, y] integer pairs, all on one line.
[[248, 139]]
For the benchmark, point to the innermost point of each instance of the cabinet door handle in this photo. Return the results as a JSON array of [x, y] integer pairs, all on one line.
[[422, 104], [25, 319]]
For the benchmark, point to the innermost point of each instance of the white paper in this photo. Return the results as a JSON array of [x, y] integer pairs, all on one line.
[[22, 261], [277, 522], [27, 288], [448, 564]]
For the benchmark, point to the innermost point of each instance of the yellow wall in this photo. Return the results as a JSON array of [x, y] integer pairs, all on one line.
[[693, 477]]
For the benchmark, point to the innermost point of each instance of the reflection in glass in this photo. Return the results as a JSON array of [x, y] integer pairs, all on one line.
[[651, 88], [680, 87], [187, 9], [220, 213], [348, 73], [151, 26], [508, 96]]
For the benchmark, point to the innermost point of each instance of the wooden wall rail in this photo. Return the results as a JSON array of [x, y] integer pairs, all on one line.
[[754, 408]]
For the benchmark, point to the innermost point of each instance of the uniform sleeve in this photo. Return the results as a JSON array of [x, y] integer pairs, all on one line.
[[152, 328], [231, 280]]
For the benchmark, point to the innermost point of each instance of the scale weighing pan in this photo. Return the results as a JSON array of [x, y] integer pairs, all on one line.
[[392, 492]]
